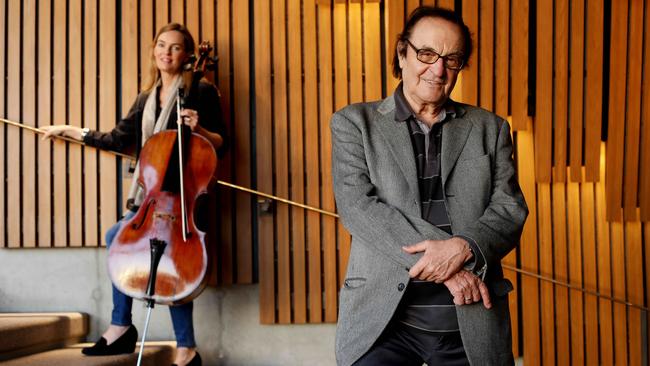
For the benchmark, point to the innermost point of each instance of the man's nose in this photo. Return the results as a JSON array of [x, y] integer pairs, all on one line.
[[438, 67]]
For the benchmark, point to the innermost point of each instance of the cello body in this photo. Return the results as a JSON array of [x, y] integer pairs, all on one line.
[[181, 273]]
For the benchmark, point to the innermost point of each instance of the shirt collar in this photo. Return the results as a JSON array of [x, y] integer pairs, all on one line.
[[403, 110]]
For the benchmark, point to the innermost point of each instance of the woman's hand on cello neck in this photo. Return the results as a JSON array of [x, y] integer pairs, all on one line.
[[70, 131]]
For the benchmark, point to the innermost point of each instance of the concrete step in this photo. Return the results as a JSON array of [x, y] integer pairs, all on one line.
[[156, 353], [27, 333]]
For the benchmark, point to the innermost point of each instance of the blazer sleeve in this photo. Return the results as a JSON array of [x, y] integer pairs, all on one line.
[[367, 217], [124, 135], [498, 230]]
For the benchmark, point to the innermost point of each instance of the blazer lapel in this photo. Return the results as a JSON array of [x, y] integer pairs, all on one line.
[[396, 135], [454, 137]]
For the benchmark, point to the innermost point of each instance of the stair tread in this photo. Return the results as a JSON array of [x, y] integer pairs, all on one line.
[[155, 353], [25, 332]]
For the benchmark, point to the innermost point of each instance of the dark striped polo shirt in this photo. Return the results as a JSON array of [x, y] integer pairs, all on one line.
[[427, 306]]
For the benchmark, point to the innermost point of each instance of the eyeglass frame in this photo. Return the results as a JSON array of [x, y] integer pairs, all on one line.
[[444, 58]]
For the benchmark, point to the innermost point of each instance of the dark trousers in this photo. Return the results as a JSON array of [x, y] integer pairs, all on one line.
[[407, 346]]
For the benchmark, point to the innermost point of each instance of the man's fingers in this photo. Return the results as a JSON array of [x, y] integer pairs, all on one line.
[[485, 294], [415, 248]]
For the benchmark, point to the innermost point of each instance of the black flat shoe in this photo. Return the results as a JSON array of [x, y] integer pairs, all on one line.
[[124, 344], [196, 361]]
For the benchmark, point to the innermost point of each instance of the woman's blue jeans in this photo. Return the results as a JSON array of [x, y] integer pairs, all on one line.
[[122, 304]]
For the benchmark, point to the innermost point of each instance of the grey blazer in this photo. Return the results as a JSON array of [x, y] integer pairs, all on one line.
[[376, 189]]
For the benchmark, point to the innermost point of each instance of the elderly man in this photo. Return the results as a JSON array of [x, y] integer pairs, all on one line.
[[427, 188]]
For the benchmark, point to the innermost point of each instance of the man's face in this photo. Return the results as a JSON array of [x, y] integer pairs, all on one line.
[[430, 83]]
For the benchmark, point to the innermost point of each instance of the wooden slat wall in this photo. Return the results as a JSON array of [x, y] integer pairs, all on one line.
[[314, 57]]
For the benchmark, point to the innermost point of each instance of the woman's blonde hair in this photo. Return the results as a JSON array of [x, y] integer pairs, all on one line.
[[153, 74]]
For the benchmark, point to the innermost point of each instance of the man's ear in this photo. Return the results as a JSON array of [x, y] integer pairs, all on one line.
[[401, 54]]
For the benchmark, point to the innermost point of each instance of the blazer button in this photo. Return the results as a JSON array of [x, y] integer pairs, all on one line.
[[400, 287]]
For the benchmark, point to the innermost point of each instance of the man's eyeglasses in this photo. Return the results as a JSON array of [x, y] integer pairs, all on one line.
[[429, 56]]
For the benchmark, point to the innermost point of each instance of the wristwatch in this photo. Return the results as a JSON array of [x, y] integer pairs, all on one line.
[[84, 132]]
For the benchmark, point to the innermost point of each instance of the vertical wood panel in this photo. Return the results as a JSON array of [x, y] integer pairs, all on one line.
[[576, 87], [29, 118], [296, 161], [561, 88], [502, 58], [618, 287], [326, 107], [162, 13], [546, 269], [590, 270], [355, 47], [226, 197], [3, 160], [74, 102], [604, 270], [644, 191], [468, 79], [393, 23], [264, 157], [107, 112], [44, 118], [593, 87], [528, 249], [192, 19], [177, 11], [634, 268], [129, 79], [312, 160], [519, 67], [633, 110], [544, 95], [341, 99], [13, 134], [486, 60], [372, 50], [617, 102], [575, 273], [59, 86], [91, 222], [242, 152], [560, 251]]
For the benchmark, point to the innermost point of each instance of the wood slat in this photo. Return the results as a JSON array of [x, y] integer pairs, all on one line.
[[59, 87], [372, 51], [29, 157], [617, 98], [208, 30], [355, 47], [13, 148], [312, 159], [617, 231], [162, 13], [561, 87], [147, 34], [44, 95], [263, 109], [226, 196], [604, 269], [574, 229], [242, 151], [634, 273], [502, 58], [177, 11], [3, 160], [341, 99], [74, 103], [590, 270], [560, 256], [528, 249], [129, 80], [576, 88], [326, 103], [449, 4], [593, 87], [633, 111], [411, 5], [192, 19], [90, 119], [519, 66], [486, 63], [644, 163], [393, 23], [544, 93], [108, 199], [469, 75], [547, 308], [296, 151], [281, 157]]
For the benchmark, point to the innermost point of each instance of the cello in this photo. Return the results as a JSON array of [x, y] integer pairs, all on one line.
[[159, 255]]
